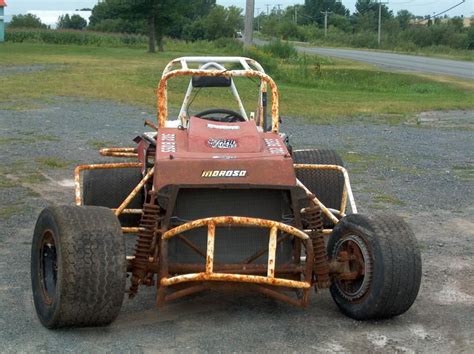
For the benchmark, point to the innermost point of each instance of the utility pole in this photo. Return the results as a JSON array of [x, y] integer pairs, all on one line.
[[296, 15], [326, 13], [248, 32], [380, 22], [268, 8]]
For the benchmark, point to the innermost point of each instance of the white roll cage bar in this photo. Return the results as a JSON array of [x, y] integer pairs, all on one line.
[[214, 67]]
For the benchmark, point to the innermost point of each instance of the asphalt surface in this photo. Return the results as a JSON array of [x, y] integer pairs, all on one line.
[[421, 64], [422, 172], [462, 69]]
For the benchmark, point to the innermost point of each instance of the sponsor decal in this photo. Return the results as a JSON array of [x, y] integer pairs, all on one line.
[[223, 127], [222, 143], [223, 173], [274, 146], [168, 143]]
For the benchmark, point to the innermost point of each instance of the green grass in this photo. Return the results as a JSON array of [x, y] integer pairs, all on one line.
[[387, 199], [7, 212], [338, 89], [50, 162], [464, 173], [98, 144]]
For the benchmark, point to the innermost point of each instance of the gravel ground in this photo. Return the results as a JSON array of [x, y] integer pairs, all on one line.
[[424, 173]]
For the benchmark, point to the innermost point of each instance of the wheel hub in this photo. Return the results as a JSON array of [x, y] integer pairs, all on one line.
[[48, 266], [353, 249]]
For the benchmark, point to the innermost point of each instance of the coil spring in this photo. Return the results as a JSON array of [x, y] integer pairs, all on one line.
[[314, 220], [143, 247]]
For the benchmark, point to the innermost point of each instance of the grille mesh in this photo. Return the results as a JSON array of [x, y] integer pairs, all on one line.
[[232, 244]]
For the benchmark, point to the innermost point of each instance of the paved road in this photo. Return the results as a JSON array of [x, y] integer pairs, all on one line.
[[402, 62], [456, 68]]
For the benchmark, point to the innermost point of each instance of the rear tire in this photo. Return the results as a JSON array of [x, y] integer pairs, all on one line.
[[390, 274], [78, 266], [326, 185], [110, 187]]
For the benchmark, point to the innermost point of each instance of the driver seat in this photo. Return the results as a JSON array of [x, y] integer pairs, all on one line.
[[218, 137]]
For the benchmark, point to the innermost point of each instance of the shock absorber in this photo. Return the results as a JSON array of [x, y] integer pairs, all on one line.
[[143, 247], [314, 222]]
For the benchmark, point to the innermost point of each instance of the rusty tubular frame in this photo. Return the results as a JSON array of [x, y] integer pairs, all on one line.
[[134, 192], [132, 230], [210, 275], [162, 92], [346, 193], [80, 168], [119, 152], [122, 209]]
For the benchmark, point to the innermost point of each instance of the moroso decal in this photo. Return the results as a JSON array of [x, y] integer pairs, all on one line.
[[222, 143], [223, 173]]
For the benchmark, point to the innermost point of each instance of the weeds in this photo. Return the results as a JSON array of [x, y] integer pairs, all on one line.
[[52, 162]]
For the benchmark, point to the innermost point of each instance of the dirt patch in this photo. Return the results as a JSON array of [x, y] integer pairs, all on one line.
[[6, 70], [446, 119]]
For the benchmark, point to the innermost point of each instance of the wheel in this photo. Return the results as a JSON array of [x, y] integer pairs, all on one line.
[[110, 187], [326, 185], [78, 266], [385, 257]]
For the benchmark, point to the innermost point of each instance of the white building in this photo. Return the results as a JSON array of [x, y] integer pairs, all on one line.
[[50, 18]]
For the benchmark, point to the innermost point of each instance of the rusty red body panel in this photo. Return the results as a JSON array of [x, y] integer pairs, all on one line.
[[187, 156]]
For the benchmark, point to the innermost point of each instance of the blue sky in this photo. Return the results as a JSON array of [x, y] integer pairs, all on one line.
[[418, 7]]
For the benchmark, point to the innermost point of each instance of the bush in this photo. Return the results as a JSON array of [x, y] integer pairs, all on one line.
[[279, 49], [75, 37], [269, 63], [229, 46]]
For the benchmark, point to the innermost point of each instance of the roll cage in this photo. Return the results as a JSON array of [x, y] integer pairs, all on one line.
[[215, 67]]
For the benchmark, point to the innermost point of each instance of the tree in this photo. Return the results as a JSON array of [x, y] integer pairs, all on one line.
[[221, 22], [457, 22], [404, 17], [313, 9], [74, 22], [341, 22], [26, 21], [366, 15], [158, 17]]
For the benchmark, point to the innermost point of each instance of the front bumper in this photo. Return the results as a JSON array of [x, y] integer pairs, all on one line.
[[233, 273]]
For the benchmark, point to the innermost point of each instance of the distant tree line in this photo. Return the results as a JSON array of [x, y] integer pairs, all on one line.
[[193, 20], [306, 23]]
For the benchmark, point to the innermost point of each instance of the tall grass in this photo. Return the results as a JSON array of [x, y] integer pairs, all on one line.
[[279, 49], [87, 38]]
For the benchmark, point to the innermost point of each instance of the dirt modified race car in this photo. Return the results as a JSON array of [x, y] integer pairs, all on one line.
[[218, 200]]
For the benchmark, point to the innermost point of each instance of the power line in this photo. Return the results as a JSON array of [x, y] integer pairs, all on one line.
[[443, 12], [453, 7]]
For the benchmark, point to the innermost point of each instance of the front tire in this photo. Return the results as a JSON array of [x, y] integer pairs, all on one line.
[[385, 255], [78, 266]]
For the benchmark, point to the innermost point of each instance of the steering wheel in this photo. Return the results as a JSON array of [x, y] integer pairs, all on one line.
[[229, 116]]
